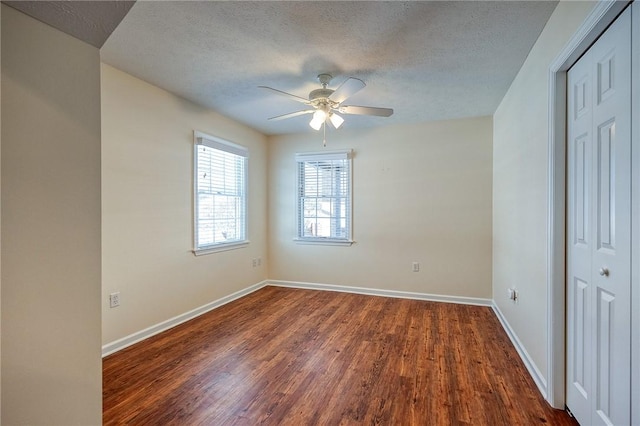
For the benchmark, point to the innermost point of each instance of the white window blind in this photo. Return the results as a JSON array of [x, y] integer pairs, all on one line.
[[220, 193], [324, 197]]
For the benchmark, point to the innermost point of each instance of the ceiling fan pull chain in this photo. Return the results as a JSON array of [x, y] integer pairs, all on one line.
[[324, 134]]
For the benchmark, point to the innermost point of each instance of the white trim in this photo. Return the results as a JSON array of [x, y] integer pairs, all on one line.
[[345, 154], [324, 156], [635, 213], [138, 336], [215, 142], [538, 378], [323, 241], [601, 16], [200, 138], [533, 370], [385, 293], [221, 247], [536, 375]]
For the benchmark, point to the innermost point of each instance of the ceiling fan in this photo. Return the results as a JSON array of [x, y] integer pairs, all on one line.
[[327, 103]]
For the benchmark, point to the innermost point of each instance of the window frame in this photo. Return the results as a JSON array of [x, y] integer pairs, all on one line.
[[325, 156], [199, 139]]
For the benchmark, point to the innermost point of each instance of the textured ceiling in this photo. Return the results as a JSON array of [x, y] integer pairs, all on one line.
[[90, 21], [426, 60]]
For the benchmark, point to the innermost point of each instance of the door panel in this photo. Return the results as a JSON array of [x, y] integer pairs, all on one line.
[[606, 179], [581, 321], [581, 191], [603, 359]]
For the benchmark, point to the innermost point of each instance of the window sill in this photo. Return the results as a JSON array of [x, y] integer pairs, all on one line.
[[323, 241], [220, 247]]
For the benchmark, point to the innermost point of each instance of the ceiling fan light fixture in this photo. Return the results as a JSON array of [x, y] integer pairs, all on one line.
[[318, 118], [336, 120]]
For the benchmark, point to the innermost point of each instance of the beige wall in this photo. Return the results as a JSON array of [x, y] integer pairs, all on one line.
[[520, 186], [51, 366], [147, 195], [421, 193]]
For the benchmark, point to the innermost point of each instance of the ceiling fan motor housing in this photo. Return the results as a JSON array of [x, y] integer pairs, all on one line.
[[320, 97], [320, 94]]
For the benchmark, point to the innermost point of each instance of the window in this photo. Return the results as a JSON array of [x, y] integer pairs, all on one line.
[[220, 194], [324, 197]]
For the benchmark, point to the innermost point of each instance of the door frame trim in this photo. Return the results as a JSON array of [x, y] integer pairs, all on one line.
[[601, 16], [635, 212]]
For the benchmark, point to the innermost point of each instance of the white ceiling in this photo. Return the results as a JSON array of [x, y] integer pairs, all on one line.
[[427, 60]]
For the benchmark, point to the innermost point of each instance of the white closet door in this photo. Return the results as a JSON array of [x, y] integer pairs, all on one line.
[[599, 230]]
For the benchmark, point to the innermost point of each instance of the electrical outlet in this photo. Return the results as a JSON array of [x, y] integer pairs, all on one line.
[[259, 261], [416, 267], [513, 295], [114, 300]]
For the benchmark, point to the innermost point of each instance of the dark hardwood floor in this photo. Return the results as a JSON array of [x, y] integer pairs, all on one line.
[[304, 357]]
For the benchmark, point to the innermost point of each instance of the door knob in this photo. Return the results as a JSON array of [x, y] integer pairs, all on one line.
[[604, 272]]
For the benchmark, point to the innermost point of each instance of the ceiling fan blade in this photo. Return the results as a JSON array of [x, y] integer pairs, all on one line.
[[349, 87], [363, 110], [292, 114], [288, 95]]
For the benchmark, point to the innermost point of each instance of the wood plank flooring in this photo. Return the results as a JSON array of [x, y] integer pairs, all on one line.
[[301, 357]]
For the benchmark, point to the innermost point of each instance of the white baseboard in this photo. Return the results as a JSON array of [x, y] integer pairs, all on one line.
[[129, 340], [172, 322], [386, 293], [535, 374], [537, 377]]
